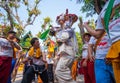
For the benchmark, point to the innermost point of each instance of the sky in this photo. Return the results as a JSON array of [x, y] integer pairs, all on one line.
[[53, 8]]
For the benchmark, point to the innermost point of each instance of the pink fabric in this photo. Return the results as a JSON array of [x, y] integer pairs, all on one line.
[[5, 66]]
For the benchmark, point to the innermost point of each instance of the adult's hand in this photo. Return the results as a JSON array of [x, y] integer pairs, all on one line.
[[86, 24], [91, 58], [84, 64], [80, 25], [108, 61]]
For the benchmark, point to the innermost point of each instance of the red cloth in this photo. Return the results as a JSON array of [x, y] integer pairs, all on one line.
[[88, 72], [80, 71], [5, 66]]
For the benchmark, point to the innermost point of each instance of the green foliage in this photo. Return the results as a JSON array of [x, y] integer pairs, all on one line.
[[25, 40], [47, 20], [25, 2], [12, 13], [26, 43], [4, 29], [36, 1], [80, 43], [1, 14], [43, 26], [19, 29], [34, 11], [89, 6], [13, 4], [92, 23], [38, 34]]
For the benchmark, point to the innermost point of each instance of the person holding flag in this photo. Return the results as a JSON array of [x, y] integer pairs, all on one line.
[[49, 58], [109, 21]]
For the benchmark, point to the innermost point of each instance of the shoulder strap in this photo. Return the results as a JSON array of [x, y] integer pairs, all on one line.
[[107, 15]]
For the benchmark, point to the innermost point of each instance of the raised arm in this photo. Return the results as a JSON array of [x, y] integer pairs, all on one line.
[[96, 33]]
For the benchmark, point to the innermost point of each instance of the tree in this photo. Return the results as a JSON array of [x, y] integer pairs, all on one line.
[[91, 6], [45, 28], [11, 8]]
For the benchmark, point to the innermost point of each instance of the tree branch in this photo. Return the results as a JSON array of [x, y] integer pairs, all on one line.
[[29, 18], [97, 6], [17, 17], [29, 23], [6, 7]]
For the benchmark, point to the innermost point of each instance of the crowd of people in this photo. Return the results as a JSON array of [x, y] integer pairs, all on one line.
[[104, 44], [100, 62]]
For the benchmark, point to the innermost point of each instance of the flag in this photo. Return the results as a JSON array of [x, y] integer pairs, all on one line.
[[24, 42], [44, 34], [27, 35], [107, 15]]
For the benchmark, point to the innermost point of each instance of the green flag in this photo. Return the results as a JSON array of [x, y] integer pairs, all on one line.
[[107, 15], [44, 34]]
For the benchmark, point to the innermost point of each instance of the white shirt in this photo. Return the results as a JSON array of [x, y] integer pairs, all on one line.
[[102, 47], [6, 48], [114, 24], [92, 40], [49, 60], [85, 50], [37, 61]]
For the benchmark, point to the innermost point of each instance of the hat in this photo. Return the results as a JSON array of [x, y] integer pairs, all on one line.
[[73, 17], [11, 32], [60, 17], [86, 34]]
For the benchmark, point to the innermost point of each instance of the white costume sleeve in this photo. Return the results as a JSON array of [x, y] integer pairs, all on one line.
[[99, 23], [92, 40]]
